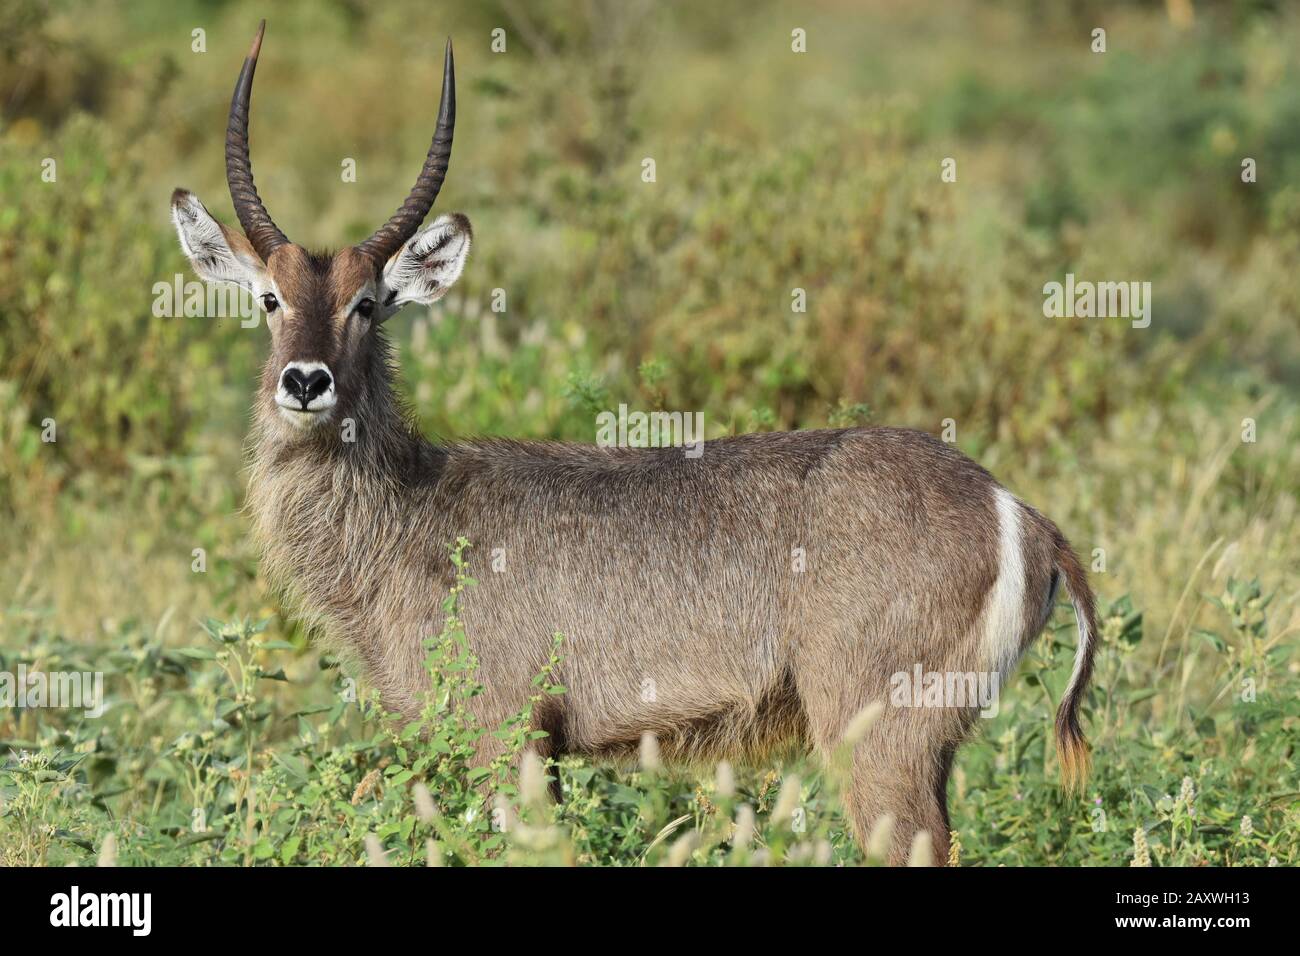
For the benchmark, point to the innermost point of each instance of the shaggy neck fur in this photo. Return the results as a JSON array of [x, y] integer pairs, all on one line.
[[333, 517]]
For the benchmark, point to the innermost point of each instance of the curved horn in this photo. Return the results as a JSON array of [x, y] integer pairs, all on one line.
[[258, 225], [390, 236]]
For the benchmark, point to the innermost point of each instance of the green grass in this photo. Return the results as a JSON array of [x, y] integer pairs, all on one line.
[[775, 171], [202, 759]]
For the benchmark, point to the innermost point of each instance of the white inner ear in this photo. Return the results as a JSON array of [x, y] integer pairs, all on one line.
[[427, 265], [205, 244]]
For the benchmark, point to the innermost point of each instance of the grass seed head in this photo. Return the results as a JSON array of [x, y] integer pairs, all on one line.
[[108, 851], [375, 851], [726, 780], [532, 780], [425, 808], [744, 833], [365, 788], [649, 753], [1141, 851], [787, 801], [922, 853], [882, 834]]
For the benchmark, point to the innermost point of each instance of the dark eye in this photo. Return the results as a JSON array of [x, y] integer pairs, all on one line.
[[270, 303], [366, 308]]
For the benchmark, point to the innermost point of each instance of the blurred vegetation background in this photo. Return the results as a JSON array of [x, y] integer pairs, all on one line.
[[775, 171]]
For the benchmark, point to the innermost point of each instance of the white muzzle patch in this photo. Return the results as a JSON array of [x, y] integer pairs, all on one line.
[[306, 392]]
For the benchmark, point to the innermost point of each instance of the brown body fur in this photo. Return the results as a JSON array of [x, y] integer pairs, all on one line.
[[662, 568]]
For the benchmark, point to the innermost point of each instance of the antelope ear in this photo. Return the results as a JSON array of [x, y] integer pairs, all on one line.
[[426, 266], [216, 253]]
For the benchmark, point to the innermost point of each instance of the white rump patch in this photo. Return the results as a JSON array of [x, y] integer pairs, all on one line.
[[1003, 618]]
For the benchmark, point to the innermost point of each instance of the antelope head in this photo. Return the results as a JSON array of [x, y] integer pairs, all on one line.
[[324, 309]]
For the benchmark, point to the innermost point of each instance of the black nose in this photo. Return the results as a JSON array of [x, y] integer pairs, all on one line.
[[305, 387]]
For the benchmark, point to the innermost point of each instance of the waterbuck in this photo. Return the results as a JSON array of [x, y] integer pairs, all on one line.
[[757, 596]]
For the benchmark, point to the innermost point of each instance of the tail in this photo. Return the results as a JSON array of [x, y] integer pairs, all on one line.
[[1071, 748]]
